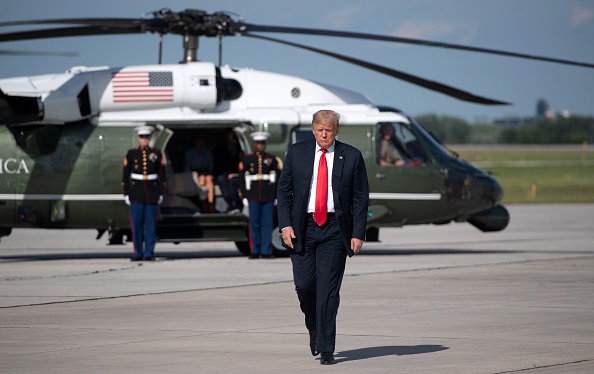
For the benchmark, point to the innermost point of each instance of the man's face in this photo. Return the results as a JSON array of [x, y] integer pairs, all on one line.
[[325, 133], [231, 139], [144, 140], [260, 145]]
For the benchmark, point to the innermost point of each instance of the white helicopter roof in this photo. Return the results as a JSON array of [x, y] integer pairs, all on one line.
[[190, 94]]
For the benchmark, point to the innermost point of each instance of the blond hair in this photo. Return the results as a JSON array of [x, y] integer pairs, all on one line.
[[326, 116]]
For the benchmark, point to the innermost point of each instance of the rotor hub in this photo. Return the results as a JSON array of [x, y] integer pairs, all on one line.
[[193, 22]]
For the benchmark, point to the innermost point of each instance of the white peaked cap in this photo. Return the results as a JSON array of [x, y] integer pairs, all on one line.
[[144, 130], [260, 135]]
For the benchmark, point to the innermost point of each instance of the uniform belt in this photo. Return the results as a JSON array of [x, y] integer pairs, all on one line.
[[142, 177]]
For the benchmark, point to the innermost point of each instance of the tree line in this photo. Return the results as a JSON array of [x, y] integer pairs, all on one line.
[[455, 130]]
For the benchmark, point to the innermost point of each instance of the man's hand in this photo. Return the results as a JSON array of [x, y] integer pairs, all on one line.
[[288, 236], [160, 199], [127, 199], [356, 244]]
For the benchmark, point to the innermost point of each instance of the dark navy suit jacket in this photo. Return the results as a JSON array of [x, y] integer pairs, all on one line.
[[349, 188]]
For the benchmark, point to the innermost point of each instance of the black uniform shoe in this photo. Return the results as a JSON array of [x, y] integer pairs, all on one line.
[[267, 256], [253, 257], [327, 358], [149, 259], [134, 259], [312, 342]]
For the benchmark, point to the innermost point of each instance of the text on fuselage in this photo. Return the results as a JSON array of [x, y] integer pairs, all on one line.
[[13, 166]]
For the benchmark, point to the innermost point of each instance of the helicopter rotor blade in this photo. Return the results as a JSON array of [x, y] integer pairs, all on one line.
[[103, 22], [66, 32], [431, 85], [37, 53], [356, 35], [187, 22], [198, 22]]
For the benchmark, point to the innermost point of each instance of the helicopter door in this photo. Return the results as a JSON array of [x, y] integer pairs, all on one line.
[[402, 175], [161, 136]]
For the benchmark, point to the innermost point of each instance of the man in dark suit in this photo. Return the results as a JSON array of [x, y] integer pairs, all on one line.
[[322, 223]]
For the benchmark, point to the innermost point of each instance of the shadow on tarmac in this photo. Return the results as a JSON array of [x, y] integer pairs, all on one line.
[[389, 350], [186, 255], [127, 255]]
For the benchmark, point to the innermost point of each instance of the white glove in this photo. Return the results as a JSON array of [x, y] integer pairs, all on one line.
[[160, 199], [245, 202], [127, 200]]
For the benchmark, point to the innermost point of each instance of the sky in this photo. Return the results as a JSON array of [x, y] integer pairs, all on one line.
[[552, 28]]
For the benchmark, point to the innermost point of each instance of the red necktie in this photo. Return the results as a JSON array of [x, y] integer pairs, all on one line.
[[322, 191]]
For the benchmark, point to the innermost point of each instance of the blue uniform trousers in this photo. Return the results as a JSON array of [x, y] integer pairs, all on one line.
[[144, 229], [261, 221], [317, 272]]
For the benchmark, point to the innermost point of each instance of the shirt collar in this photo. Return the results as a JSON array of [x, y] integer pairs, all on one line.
[[330, 149]]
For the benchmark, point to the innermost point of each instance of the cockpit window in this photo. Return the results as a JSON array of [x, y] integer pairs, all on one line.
[[396, 145]]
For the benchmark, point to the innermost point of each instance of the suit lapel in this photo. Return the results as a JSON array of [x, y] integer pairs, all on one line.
[[337, 168], [308, 161]]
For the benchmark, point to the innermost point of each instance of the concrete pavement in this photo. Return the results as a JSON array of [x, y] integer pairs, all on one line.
[[427, 299]]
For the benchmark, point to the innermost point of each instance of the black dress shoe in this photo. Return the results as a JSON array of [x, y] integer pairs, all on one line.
[[312, 342], [327, 358], [149, 259], [134, 259], [254, 257]]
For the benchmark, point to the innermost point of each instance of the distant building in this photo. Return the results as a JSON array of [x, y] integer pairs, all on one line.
[[513, 122]]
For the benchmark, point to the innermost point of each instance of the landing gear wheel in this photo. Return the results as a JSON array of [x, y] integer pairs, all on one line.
[[277, 244], [372, 234], [243, 247], [116, 237]]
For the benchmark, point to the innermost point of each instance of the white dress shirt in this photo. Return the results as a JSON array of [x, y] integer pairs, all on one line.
[[311, 206]]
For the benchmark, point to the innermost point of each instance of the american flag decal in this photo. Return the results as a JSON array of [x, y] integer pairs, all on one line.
[[142, 86]]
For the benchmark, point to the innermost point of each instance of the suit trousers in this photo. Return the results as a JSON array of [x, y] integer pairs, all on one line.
[[144, 229], [317, 272]]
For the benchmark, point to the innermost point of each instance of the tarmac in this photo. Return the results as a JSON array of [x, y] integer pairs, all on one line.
[[426, 299]]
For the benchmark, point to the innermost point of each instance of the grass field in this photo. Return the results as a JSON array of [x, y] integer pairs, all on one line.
[[537, 174]]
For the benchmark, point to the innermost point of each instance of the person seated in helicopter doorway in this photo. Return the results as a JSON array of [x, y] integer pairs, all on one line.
[[199, 159], [227, 158], [144, 185], [389, 154], [258, 177]]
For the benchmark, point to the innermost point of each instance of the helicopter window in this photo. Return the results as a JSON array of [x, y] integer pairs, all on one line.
[[396, 145], [302, 134]]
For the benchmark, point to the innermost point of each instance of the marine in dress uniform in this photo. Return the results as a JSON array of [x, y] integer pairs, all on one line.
[[258, 176], [144, 185]]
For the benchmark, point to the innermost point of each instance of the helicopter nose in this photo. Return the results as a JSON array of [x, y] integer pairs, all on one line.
[[493, 191], [497, 191]]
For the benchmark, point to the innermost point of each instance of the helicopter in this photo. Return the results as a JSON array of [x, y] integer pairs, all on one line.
[[63, 136]]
